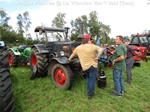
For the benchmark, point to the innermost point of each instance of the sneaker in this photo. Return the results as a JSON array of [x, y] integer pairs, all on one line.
[[114, 94], [122, 92], [89, 97], [126, 82]]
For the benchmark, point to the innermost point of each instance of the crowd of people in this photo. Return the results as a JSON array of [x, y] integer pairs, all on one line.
[[89, 54]]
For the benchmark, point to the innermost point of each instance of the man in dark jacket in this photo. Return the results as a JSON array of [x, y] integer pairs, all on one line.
[[129, 61]]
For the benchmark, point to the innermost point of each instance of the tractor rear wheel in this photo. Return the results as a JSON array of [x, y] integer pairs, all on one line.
[[13, 59], [4, 57], [40, 60], [62, 76], [6, 92]]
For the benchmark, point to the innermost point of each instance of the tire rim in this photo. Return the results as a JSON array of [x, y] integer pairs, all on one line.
[[33, 60], [60, 77], [10, 59]]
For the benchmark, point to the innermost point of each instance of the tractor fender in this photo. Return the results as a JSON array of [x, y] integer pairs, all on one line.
[[61, 60], [15, 51], [2, 43], [142, 50], [27, 51], [41, 48]]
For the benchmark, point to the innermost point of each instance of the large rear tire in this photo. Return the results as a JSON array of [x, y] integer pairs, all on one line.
[[40, 60], [4, 57], [6, 92], [13, 59], [62, 76]]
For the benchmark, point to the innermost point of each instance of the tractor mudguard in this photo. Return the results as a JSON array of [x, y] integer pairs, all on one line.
[[41, 48], [15, 51], [27, 51], [2, 43], [61, 60]]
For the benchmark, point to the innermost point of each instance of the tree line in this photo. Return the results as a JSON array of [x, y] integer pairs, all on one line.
[[97, 29]]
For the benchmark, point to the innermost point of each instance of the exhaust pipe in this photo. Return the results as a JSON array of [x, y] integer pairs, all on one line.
[[80, 36], [66, 33]]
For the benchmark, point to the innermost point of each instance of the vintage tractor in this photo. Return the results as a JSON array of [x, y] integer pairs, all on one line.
[[19, 56], [105, 58], [140, 43], [148, 38], [51, 58], [6, 92]]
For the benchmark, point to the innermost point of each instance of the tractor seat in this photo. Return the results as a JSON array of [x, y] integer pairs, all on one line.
[[22, 47]]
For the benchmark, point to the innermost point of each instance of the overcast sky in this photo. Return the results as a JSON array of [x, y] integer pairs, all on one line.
[[123, 16]]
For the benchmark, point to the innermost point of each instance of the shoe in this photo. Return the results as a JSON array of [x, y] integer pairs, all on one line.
[[114, 94], [122, 92], [126, 82], [89, 97]]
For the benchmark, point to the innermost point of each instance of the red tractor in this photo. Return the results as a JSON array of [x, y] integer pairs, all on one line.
[[140, 45]]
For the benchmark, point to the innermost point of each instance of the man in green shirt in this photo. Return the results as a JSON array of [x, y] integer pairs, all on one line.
[[118, 62]]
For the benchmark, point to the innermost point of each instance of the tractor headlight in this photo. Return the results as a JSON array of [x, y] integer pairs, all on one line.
[[62, 53]]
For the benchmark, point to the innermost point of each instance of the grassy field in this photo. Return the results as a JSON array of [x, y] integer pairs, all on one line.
[[40, 95]]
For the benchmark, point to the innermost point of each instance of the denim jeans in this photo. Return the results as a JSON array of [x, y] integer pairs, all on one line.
[[118, 82], [91, 77]]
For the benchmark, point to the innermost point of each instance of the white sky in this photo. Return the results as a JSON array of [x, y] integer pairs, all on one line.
[[124, 16]]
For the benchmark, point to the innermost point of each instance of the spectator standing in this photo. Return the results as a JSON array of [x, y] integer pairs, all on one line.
[[86, 53], [129, 61], [118, 63]]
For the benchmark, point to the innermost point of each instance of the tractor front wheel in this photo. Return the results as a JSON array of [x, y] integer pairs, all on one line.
[[62, 76], [41, 62], [13, 59]]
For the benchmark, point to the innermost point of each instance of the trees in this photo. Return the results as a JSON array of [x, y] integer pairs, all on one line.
[[20, 24], [4, 18], [27, 23], [92, 26], [59, 20], [24, 24], [7, 34]]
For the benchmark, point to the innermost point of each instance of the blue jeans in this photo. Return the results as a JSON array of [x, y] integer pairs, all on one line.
[[91, 77], [118, 82]]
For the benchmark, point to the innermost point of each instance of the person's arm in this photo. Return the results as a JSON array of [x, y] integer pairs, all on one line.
[[105, 53], [100, 51], [132, 51], [118, 59], [71, 56]]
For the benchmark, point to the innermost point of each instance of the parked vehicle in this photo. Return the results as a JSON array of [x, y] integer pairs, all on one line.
[[51, 58], [18, 56], [105, 58], [142, 40], [6, 92], [140, 45]]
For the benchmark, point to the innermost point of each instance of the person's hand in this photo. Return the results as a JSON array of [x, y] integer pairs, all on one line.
[[96, 59], [113, 62], [69, 60]]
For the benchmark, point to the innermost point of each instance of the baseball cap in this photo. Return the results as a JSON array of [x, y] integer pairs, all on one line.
[[86, 36], [125, 40]]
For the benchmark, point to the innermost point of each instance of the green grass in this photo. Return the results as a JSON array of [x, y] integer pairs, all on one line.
[[40, 95]]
